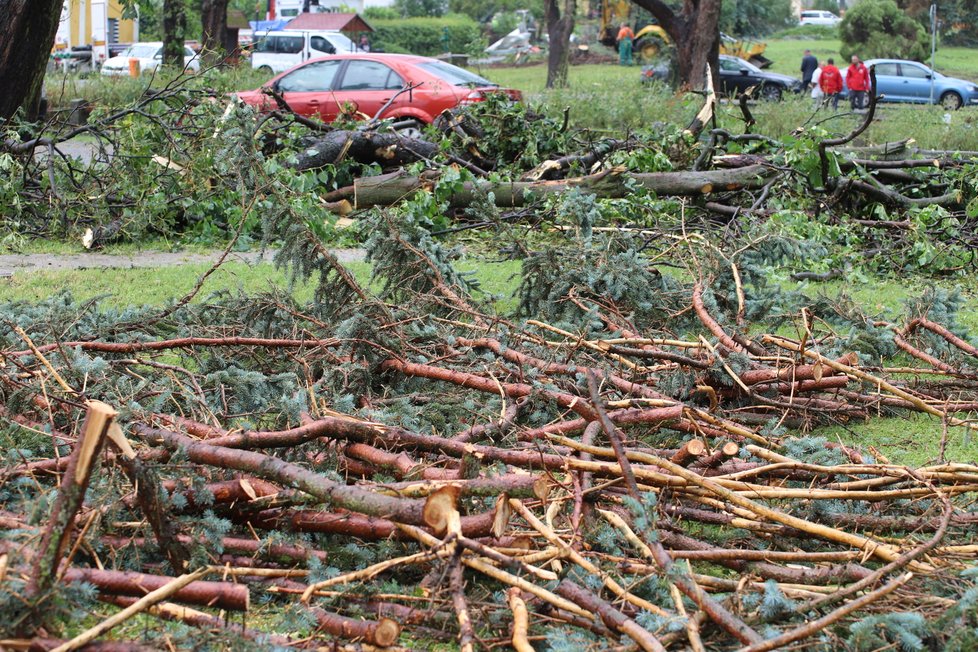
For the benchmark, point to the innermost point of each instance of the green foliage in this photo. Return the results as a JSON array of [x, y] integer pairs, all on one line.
[[751, 18], [808, 33], [908, 631], [609, 269], [812, 450], [421, 8], [482, 10], [425, 35], [879, 28], [381, 13], [774, 603]]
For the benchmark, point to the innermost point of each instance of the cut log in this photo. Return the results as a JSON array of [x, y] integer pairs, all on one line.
[[222, 595], [367, 147], [383, 632], [71, 495], [388, 189]]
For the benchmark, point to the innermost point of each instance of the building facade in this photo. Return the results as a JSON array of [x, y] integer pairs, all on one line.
[[98, 23]]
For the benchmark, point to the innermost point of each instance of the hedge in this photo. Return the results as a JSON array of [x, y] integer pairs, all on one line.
[[424, 36]]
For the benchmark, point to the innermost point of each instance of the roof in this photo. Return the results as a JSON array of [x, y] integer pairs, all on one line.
[[331, 21]]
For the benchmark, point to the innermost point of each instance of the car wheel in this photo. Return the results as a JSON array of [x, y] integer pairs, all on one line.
[[267, 70], [951, 101], [771, 93], [411, 129]]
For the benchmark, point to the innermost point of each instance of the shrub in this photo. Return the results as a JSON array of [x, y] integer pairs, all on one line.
[[808, 33], [381, 13], [426, 36], [879, 28]]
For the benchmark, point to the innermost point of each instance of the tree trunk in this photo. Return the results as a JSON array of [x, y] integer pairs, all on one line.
[[29, 28], [560, 26], [695, 33], [388, 189], [214, 24], [174, 28]]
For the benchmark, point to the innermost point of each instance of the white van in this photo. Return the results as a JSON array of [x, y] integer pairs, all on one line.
[[816, 17], [276, 51]]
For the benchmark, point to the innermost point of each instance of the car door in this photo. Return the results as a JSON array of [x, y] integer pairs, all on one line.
[[916, 81], [309, 90], [368, 85], [731, 80], [889, 82]]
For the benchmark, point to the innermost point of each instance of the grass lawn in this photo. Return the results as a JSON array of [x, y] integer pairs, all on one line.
[[608, 98], [119, 287], [787, 53]]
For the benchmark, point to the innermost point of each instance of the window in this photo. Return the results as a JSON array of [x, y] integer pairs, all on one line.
[[886, 69], [341, 42], [453, 74], [316, 77], [143, 52], [369, 76], [320, 44], [279, 45], [914, 72], [288, 44], [729, 66]]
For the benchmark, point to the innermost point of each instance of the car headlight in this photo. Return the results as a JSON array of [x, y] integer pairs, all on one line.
[[973, 89]]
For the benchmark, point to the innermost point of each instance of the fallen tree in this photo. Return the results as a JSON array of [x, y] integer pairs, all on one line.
[[628, 451]]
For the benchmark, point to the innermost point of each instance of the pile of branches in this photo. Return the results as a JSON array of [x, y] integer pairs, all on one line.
[[488, 164], [623, 462], [402, 466]]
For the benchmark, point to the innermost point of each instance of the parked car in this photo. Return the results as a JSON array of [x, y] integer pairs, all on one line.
[[737, 75], [366, 82], [816, 17], [899, 80], [150, 56], [279, 50]]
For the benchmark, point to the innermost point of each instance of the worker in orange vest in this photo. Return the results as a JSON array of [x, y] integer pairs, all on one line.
[[625, 38]]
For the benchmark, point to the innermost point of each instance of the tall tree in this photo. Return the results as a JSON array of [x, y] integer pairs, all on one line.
[[174, 32], [560, 25], [214, 27], [29, 27], [694, 31]]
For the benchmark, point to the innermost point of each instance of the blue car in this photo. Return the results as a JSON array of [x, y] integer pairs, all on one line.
[[909, 81]]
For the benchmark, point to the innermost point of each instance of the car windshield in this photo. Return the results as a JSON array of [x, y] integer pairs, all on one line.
[[746, 64], [453, 74], [342, 42], [141, 51]]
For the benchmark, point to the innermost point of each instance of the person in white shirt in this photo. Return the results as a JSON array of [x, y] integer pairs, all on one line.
[[817, 93]]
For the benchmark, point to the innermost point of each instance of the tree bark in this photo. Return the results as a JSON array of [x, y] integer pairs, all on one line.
[[29, 28], [388, 189], [560, 26], [174, 29], [695, 33], [214, 25], [219, 595]]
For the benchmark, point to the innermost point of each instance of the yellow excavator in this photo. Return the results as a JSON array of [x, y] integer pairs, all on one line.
[[651, 39]]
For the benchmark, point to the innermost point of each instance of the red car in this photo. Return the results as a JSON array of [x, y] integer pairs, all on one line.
[[365, 82]]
